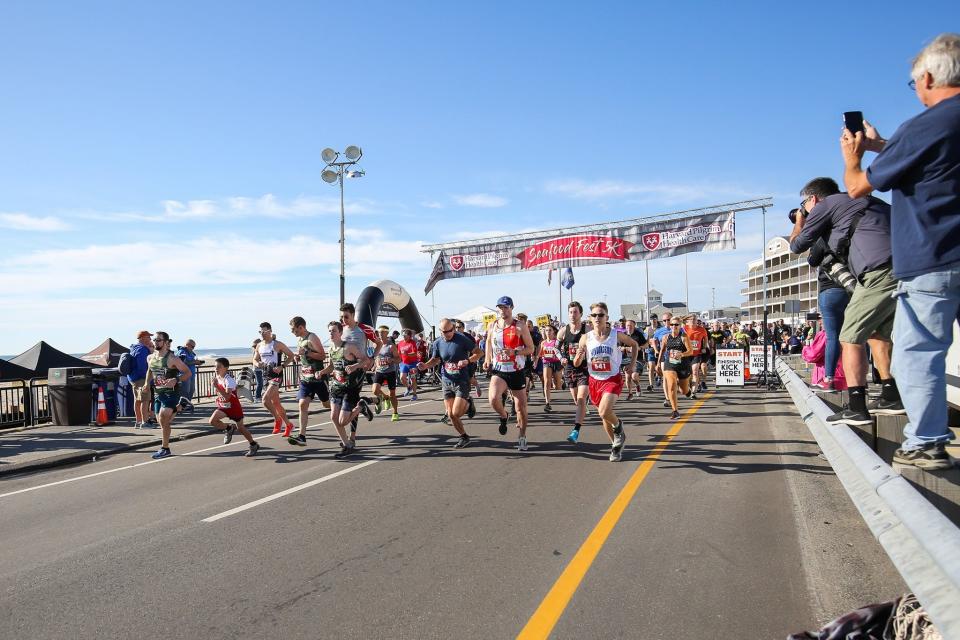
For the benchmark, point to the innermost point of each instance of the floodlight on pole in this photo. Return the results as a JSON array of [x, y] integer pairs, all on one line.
[[335, 172]]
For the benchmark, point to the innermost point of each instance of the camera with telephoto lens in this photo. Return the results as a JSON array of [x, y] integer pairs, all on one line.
[[839, 271]]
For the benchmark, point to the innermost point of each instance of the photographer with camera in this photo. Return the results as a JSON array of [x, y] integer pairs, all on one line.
[[832, 300], [857, 233]]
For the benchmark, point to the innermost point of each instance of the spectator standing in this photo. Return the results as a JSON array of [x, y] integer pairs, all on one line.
[[188, 356], [137, 378], [257, 372], [920, 164], [857, 230], [832, 300]]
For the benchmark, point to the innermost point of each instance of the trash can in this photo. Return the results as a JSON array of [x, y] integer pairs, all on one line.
[[109, 378], [69, 392]]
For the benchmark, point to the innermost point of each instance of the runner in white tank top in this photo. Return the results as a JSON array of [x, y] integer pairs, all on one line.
[[600, 349]]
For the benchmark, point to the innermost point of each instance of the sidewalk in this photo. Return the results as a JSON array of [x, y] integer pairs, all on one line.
[[47, 446]]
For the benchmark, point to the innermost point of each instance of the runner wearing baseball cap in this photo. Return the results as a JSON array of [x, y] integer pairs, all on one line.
[[508, 346]]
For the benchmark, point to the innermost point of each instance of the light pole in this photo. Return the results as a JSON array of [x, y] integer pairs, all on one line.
[[334, 172]]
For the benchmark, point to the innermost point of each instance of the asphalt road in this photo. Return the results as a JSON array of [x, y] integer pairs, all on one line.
[[737, 530]]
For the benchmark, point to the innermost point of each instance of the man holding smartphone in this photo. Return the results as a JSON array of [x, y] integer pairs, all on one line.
[[920, 164]]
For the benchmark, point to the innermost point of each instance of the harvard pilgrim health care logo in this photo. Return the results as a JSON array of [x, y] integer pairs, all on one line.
[[651, 241], [456, 263], [580, 247]]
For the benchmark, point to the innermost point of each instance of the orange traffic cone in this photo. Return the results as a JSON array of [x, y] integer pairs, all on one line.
[[746, 366], [102, 418]]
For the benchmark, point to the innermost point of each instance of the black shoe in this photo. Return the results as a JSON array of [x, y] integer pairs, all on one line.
[[666, 404], [674, 415], [649, 387], [851, 418], [445, 419], [932, 457], [298, 439], [365, 409], [252, 451], [344, 451], [471, 409], [184, 404], [503, 426], [462, 442], [547, 408], [882, 407]]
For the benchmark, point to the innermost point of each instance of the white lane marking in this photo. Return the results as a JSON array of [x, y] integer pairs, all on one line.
[[286, 492], [141, 464]]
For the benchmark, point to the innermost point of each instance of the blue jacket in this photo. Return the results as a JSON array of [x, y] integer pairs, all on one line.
[[139, 354], [189, 358]]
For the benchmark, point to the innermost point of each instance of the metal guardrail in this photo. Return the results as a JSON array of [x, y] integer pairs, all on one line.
[[922, 543]]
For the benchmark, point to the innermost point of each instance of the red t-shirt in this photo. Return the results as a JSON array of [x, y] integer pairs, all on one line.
[[409, 354], [698, 339]]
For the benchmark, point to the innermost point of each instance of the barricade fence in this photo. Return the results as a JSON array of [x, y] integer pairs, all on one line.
[[25, 403]]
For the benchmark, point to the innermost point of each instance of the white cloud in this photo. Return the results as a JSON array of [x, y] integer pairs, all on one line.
[[24, 222], [206, 261], [432, 204], [483, 200], [267, 205], [643, 192]]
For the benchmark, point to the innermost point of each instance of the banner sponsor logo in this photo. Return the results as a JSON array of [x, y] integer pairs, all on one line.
[[583, 247], [456, 263], [651, 241]]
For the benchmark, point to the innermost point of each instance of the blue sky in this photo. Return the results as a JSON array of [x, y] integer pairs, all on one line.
[[160, 162]]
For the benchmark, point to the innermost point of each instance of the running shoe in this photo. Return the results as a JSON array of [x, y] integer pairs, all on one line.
[[503, 426], [882, 407], [445, 419], [649, 387], [616, 455], [931, 457], [688, 394], [405, 393], [384, 405], [522, 443], [252, 451], [228, 435], [471, 408], [479, 393], [345, 450], [703, 386], [136, 425], [851, 418], [299, 439], [395, 418], [288, 430], [164, 452], [573, 437], [184, 404], [619, 437], [513, 410], [674, 415], [377, 406], [630, 395], [413, 397], [693, 395], [666, 404], [276, 425], [462, 442], [547, 408], [365, 409], [825, 386]]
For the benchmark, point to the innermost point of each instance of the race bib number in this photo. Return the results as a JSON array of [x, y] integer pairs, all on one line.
[[600, 364], [307, 371], [224, 404], [383, 363], [451, 367], [160, 381], [503, 356], [694, 344], [675, 356], [572, 351], [339, 376]]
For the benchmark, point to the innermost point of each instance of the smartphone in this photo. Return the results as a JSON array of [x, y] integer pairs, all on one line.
[[853, 121]]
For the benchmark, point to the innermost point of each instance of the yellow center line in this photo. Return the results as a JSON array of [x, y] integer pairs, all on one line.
[[548, 613]]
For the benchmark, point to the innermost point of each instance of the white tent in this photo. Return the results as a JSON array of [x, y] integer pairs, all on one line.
[[475, 314]]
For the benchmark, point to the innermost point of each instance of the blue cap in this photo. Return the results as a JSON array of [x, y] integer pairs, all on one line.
[[505, 301]]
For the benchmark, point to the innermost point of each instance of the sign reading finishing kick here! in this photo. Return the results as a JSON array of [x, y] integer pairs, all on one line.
[[729, 367]]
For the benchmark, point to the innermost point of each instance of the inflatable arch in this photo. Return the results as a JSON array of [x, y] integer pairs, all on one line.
[[387, 298]]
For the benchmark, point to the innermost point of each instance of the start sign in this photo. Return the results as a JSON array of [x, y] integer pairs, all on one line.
[[756, 359], [729, 367]]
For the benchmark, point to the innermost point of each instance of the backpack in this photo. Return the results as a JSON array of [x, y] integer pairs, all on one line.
[[126, 364]]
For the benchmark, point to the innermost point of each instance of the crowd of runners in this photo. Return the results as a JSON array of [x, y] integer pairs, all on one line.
[[593, 358]]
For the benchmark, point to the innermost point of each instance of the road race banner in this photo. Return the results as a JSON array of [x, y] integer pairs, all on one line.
[[729, 367], [613, 244]]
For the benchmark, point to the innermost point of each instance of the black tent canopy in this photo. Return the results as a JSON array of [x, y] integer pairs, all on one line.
[[41, 357], [107, 354], [11, 371]]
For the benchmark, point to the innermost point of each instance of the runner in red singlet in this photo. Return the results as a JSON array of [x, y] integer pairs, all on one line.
[[508, 346]]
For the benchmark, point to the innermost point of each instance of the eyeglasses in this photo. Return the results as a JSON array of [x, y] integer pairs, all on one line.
[[446, 331], [673, 324], [913, 85], [598, 315]]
